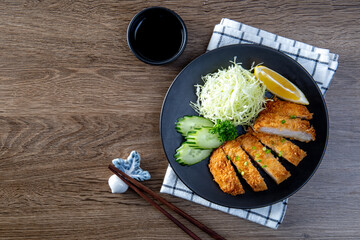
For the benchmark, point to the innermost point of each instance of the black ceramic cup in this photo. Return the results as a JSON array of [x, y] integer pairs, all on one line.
[[157, 35]]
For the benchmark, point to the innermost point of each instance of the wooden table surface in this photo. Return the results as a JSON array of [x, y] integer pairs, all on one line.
[[73, 97]]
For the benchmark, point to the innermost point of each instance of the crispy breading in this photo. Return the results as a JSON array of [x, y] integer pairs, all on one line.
[[224, 173], [284, 148], [265, 159], [279, 125], [288, 109], [243, 163]]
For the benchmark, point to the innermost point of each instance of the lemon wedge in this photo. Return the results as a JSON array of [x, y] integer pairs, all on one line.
[[279, 85]]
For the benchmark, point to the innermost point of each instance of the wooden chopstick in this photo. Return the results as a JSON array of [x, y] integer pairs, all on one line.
[[152, 202], [135, 185]]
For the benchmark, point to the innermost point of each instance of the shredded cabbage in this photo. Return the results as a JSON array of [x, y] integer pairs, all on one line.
[[233, 94]]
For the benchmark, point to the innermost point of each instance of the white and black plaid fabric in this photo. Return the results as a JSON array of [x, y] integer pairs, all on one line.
[[319, 62]]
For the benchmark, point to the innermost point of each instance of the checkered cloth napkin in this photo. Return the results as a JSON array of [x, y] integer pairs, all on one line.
[[319, 62]]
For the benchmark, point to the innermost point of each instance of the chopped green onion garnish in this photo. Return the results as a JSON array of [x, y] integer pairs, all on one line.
[[283, 121], [293, 116], [237, 158], [282, 140], [264, 148], [242, 173], [245, 163], [259, 160], [280, 154], [253, 147], [257, 155], [267, 151], [264, 166], [228, 157]]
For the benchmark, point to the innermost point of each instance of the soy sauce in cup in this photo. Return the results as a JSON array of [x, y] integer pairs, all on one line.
[[157, 35]]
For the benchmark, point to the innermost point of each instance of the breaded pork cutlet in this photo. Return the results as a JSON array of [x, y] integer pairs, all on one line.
[[243, 163], [284, 148], [274, 123], [224, 173], [287, 109], [285, 119], [263, 157]]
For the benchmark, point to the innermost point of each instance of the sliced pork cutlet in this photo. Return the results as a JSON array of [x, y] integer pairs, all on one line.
[[263, 157], [284, 148], [224, 173], [273, 123], [287, 109], [244, 166]]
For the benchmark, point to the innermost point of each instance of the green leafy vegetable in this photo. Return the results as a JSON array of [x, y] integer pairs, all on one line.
[[225, 129], [233, 94]]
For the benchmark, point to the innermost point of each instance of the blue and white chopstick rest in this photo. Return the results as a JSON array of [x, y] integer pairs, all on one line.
[[130, 166]]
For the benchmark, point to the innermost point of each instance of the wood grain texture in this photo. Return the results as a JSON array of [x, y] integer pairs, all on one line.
[[73, 97]]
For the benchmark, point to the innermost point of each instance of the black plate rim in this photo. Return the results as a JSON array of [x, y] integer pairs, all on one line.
[[290, 59]]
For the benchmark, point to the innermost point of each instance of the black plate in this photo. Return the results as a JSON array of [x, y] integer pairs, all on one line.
[[198, 177]]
